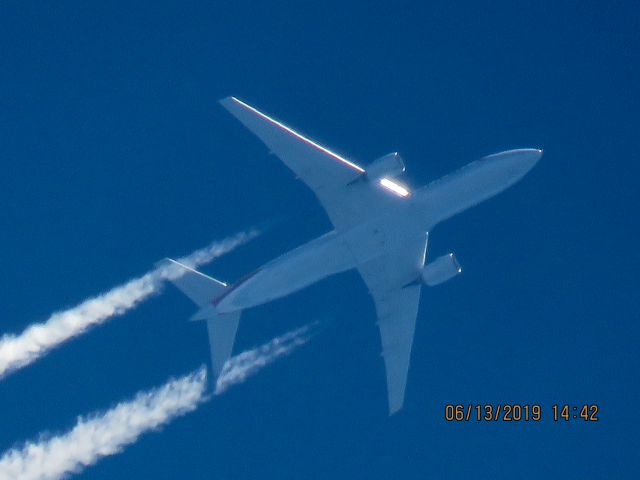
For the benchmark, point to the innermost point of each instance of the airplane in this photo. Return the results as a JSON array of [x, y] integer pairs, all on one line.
[[381, 228]]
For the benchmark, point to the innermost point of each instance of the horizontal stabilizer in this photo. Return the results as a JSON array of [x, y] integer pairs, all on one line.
[[205, 313], [202, 290], [222, 333]]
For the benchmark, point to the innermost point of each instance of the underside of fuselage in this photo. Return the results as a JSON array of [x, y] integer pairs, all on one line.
[[380, 232], [320, 258]]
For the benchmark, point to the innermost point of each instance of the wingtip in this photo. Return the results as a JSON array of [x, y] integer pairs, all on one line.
[[227, 100], [394, 410], [163, 262]]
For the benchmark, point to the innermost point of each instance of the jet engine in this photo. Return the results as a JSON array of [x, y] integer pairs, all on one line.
[[440, 270], [389, 165]]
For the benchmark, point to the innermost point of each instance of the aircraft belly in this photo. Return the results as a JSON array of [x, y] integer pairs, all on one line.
[[291, 272], [472, 184]]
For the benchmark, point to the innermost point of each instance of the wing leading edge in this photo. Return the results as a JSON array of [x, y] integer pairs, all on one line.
[[350, 202], [332, 177], [389, 279]]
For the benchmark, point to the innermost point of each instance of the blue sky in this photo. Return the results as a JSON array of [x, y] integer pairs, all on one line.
[[116, 154]]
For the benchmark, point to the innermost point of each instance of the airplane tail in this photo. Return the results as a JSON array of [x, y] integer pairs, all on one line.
[[202, 290]]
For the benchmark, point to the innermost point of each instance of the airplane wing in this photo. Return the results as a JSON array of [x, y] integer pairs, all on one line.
[[390, 279], [332, 177]]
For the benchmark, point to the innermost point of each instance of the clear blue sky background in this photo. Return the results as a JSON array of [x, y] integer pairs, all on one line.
[[115, 154]]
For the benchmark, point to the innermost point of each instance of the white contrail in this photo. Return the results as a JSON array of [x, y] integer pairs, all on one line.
[[238, 368], [104, 434], [17, 351], [101, 435]]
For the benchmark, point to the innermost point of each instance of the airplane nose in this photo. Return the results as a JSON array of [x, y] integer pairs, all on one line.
[[519, 161], [532, 154], [512, 165], [528, 157]]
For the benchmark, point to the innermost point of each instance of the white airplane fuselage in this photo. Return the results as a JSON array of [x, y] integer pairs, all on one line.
[[336, 251]]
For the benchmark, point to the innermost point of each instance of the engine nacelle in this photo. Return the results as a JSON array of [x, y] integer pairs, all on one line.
[[387, 166], [440, 270]]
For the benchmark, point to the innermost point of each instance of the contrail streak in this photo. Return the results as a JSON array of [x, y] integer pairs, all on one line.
[[238, 368], [107, 433], [104, 434], [17, 351]]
